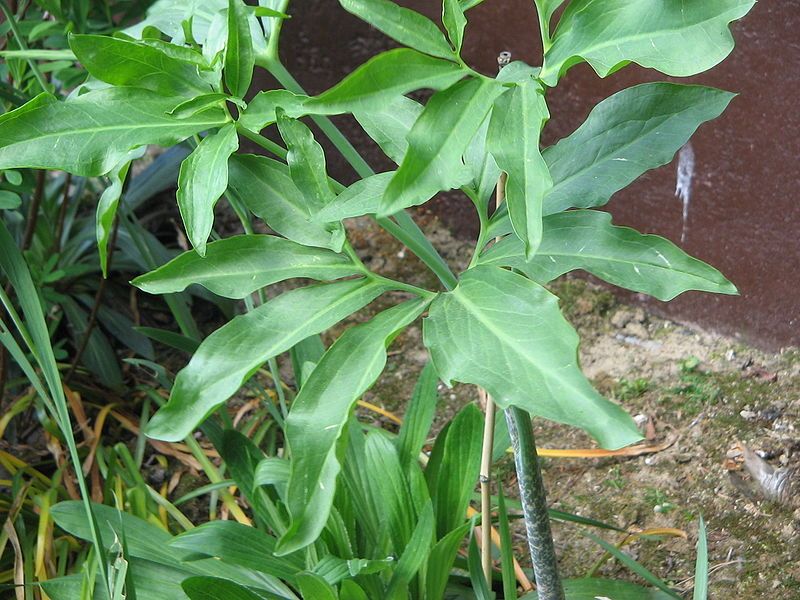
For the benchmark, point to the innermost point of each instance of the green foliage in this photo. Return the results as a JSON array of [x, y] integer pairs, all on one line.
[[346, 501]]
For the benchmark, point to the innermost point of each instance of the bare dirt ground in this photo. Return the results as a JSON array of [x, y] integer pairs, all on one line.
[[701, 391]]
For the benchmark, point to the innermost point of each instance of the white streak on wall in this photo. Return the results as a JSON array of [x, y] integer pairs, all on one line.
[[683, 183]]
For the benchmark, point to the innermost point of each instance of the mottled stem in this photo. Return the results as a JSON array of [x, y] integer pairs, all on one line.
[[534, 505]]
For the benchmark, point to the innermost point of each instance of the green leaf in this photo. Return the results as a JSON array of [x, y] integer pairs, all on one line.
[[634, 130], [441, 559], [9, 200], [458, 471], [676, 38], [237, 266], [701, 564], [242, 457], [591, 587], [198, 104], [506, 547], [505, 333], [350, 590], [414, 555], [107, 206], [124, 62], [260, 111], [202, 587], [482, 166], [98, 356], [391, 490], [321, 410], [476, 576], [586, 239], [390, 125], [91, 134], [548, 7], [361, 198], [384, 77], [518, 117], [314, 587], [236, 544], [402, 24], [151, 545], [203, 178], [454, 22], [634, 566], [306, 161], [228, 356], [334, 569], [239, 56], [266, 188], [419, 415], [437, 142]]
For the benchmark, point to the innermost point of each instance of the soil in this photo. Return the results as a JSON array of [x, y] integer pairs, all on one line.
[[702, 391]]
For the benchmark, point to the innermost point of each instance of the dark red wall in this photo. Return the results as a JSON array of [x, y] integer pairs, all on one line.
[[744, 207]]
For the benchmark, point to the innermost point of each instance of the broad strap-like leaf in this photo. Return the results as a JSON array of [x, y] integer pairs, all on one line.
[[237, 266], [419, 415], [402, 24], [361, 198], [675, 37], [384, 77], [229, 356], [265, 186], [518, 117], [440, 561], [458, 471], [437, 142], [92, 133], [107, 206], [239, 56], [633, 131], [504, 332], [129, 63], [586, 239], [238, 544], [414, 555], [306, 161], [321, 410], [454, 22], [201, 587], [389, 125], [314, 586], [203, 178]]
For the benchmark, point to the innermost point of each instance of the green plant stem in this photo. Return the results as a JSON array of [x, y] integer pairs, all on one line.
[[12, 23], [534, 505], [403, 227]]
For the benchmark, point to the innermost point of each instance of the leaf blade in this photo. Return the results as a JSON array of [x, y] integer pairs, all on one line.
[[513, 341], [675, 38], [437, 141], [202, 180], [226, 358], [586, 239], [321, 410], [237, 266], [402, 24]]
